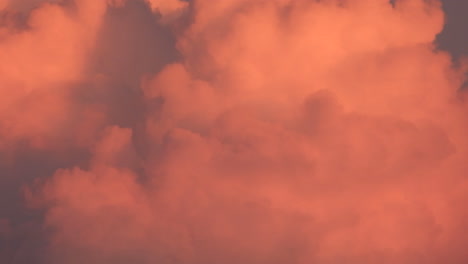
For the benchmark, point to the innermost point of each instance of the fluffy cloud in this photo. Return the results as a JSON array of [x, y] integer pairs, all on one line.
[[239, 131]]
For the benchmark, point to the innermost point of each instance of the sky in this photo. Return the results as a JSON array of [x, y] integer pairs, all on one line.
[[454, 38], [233, 131]]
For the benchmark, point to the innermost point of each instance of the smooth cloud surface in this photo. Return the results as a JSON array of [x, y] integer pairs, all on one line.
[[234, 131]]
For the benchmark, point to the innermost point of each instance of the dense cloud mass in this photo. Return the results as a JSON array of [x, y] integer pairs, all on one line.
[[231, 131]]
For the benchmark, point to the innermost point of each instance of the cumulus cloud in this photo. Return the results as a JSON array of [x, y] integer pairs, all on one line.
[[236, 131]]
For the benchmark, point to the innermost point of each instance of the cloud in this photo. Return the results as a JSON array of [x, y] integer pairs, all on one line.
[[168, 7], [38, 63], [233, 132], [3, 4]]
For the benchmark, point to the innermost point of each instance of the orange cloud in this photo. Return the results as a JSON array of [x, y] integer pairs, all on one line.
[[279, 132], [167, 7], [39, 62]]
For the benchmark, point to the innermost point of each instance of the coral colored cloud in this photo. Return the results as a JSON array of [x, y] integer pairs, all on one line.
[[234, 131]]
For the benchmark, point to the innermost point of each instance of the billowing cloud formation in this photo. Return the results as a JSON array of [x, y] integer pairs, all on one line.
[[236, 131]]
